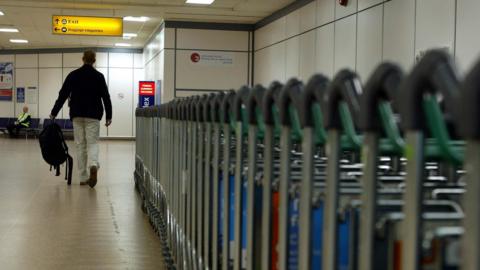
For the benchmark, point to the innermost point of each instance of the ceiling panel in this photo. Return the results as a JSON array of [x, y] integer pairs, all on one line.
[[33, 18]]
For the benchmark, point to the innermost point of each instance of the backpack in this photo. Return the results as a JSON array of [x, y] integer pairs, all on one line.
[[55, 150]]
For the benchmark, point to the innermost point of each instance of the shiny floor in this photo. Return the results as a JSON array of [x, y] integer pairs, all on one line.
[[45, 224]]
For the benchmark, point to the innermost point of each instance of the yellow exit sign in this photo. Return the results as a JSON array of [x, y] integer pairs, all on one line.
[[87, 26]]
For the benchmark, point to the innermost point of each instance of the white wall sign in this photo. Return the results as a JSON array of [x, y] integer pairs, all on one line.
[[212, 58], [32, 95]]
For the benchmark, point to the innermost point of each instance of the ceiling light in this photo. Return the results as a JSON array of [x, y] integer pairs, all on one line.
[[136, 19], [1, 13], [123, 45], [9, 30], [18, 41], [129, 35], [200, 2]]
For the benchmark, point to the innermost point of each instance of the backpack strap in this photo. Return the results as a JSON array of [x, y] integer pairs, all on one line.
[[69, 169], [57, 169]]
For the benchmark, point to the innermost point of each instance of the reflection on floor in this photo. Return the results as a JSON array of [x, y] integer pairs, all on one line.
[[44, 224]]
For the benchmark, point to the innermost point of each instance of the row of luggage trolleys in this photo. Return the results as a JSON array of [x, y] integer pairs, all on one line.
[[330, 174]]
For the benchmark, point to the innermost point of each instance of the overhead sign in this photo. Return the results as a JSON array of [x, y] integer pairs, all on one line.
[[147, 94], [87, 26]]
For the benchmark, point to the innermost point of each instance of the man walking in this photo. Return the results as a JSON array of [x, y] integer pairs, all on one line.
[[86, 89], [23, 121]]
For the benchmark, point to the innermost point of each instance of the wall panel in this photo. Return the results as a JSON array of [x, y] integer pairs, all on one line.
[[27, 77], [50, 60], [121, 93], [212, 39], [369, 41], [49, 84], [307, 55], [345, 43], [200, 75], [325, 50], [435, 25], [292, 58], [468, 44], [26, 61]]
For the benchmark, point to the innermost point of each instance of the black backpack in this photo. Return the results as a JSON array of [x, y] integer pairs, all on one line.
[[55, 150]]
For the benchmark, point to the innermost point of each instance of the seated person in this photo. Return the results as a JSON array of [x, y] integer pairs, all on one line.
[[23, 121]]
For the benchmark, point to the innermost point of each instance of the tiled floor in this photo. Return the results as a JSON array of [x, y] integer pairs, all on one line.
[[44, 224]]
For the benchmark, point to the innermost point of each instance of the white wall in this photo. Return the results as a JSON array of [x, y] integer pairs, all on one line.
[[324, 37], [48, 71], [168, 58]]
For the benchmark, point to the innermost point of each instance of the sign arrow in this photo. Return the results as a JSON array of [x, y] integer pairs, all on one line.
[[56, 29], [57, 20]]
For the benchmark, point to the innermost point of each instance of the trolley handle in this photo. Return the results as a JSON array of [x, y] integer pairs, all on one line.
[[254, 102], [435, 73], [345, 88], [192, 108], [290, 97], [382, 86], [199, 108], [269, 100], [227, 107], [314, 93], [179, 110], [207, 107], [215, 106], [467, 119], [240, 103]]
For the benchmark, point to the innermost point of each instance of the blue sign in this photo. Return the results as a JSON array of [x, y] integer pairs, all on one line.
[[147, 101], [20, 95]]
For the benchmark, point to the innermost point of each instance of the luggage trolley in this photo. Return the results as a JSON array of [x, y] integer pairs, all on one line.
[[289, 101], [376, 117], [420, 112], [208, 181], [269, 234], [240, 181], [227, 121], [215, 109], [256, 129], [192, 183], [313, 136], [467, 120], [341, 102]]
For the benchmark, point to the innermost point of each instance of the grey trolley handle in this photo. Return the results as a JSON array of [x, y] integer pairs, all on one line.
[[382, 85], [433, 74], [344, 88], [469, 124], [313, 94]]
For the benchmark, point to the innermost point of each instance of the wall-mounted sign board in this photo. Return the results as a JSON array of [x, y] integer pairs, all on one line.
[[87, 26]]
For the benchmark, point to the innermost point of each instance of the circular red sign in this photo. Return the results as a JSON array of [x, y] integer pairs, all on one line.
[[195, 57]]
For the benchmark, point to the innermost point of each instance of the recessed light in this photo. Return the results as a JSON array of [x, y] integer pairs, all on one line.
[[200, 2], [1, 13], [129, 35], [18, 41], [123, 45], [9, 30], [136, 19]]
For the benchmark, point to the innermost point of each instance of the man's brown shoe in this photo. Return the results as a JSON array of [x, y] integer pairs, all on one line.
[[84, 183], [93, 176]]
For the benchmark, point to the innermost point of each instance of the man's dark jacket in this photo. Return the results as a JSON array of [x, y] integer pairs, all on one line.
[[86, 88]]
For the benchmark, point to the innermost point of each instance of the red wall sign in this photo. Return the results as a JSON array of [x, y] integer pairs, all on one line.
[[147, 88], [195, 57]]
